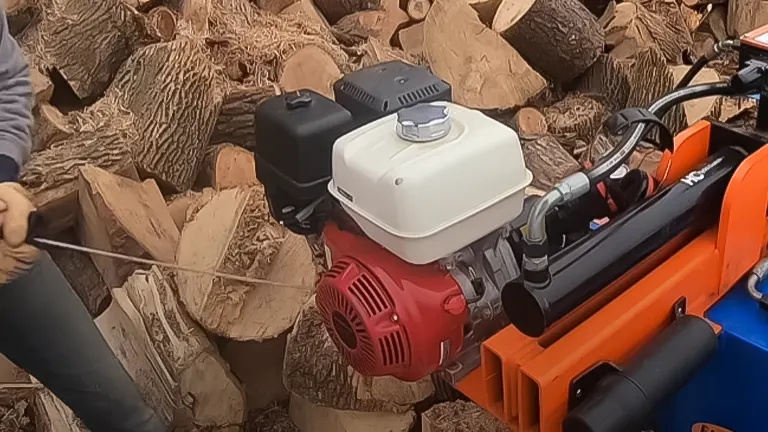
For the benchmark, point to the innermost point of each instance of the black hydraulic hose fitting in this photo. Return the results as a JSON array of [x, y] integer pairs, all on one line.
[[625, 400]]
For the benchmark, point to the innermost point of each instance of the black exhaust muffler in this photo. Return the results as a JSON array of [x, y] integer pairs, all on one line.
[[588, 266]]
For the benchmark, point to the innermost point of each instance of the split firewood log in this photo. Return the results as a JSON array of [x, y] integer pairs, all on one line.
[[374, 52], [102, 137], [310, 68], [412, 39], [380, 24], [85, 41], [698, 109], [308, 9], [334, 10], [745, 16], [575, 115], [460, 416], [205, 384], [733, 107], [81, 274], [111, 219], [417, 9], [315, 370], [548, 161], [164, 22], [235, 124], [122, 327], [574, 39], [609, 79], [310, 418], [52, 415], [174, 80], [486, 9], [634, 28], [196, 15], [529, 122], [669, 12], [274, 6], [234, 233], [226, 166], [178, 205], [50, 126], [651, 79], [714, 21], [483, 69]]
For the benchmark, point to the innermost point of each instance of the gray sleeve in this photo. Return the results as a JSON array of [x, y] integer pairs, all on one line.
[[16, 98]]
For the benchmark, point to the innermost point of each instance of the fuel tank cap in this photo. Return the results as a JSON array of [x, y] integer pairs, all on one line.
[[422, 123]]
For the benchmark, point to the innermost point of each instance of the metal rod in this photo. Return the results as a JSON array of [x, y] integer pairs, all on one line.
[[92, 251]]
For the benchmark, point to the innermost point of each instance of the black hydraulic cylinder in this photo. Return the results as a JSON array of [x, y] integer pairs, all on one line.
[[586, 267], [624, 401]]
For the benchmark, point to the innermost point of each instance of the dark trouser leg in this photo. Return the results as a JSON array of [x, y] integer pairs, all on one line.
[[45, 329]]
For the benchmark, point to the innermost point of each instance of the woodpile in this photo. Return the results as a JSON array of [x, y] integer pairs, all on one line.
[[141, 112]]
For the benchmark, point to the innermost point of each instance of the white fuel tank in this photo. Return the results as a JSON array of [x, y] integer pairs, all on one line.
[[431, 179]]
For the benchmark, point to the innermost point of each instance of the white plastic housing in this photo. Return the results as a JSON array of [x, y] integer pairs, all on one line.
[[424, 201]]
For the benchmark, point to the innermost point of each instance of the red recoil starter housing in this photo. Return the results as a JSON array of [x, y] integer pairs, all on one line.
[[387, 316]]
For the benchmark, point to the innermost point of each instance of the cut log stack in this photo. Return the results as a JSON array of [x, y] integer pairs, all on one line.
[[142, 109]]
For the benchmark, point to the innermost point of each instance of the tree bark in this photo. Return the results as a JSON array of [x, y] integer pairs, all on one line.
[[235, 124], [484, 70], [274, 6], [608, 79], [634, 28], [234, 233], [573, 39], [86, 41], [651, 78], [548, 161], [173, 81], [315, 370], [579, 116]]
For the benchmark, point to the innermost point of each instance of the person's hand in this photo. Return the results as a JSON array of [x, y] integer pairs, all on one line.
[[16, 256]]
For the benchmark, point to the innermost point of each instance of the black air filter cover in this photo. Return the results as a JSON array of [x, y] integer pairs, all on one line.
[[295, 133], [385, 88]]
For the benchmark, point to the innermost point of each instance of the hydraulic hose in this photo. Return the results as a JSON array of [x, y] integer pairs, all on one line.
[[536, 271], [711, 54], [624, 149]]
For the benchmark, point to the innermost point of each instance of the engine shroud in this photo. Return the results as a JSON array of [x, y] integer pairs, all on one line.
[[386, 316]]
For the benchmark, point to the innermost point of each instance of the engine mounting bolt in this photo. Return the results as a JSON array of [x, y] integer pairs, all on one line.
[[395, 318]]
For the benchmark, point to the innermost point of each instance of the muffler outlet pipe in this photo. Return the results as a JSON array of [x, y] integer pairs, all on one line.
[[585, 268], [536, 266], [625, 400]]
